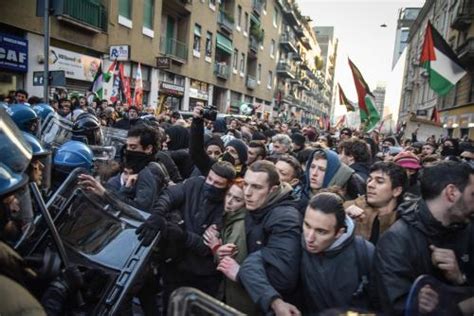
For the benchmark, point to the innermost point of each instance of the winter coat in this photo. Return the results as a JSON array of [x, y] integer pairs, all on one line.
[[403, 253], [16, 300], [198, 213], [196, 147], [178, 149], [337, 174], [234, 232], [329, 279], [167, 161], [183, 161], [150, 182], [372, 219], [273, 242], [362, 169]]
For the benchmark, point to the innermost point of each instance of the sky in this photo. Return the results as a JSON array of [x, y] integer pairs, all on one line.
[[357, 26]]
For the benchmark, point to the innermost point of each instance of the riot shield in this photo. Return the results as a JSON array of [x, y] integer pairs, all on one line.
[[55, 131], [190, 301], [115, 137], [449, 297], [99, 237]]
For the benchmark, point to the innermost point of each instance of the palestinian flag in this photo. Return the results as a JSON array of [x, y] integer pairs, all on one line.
[[98, 84], [343, 100], [441, 63], [369, 116]]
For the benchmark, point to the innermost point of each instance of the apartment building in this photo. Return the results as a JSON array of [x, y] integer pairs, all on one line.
[[220, 52], [454, 21]]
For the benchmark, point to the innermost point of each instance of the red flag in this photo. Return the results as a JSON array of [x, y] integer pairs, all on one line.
[[138, 94], [435, 116]]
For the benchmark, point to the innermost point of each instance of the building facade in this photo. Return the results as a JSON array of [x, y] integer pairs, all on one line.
[[454, 21], [379, 94], [406, 18], [328, 43], [225, 53]]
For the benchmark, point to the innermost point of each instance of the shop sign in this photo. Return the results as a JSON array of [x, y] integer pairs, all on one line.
[[163, 62], [119, 52], [171, 89], [76, 66], [198, 94], [421, 112], [13, 53]]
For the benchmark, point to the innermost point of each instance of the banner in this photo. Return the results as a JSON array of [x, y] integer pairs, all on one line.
[[13, 53]]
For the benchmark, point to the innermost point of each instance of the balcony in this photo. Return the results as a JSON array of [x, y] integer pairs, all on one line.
[[284, 69], [225, 21], [305, 85], [290, 15], [466, 52], [253, 47], [464, 16], [306, 43], [296, 56], [288, 42], [304, 65], [183, 7], [257, 7], [299, 31], [222, 70], [297, 79], [87, 14], [251, 82], [176, 50]]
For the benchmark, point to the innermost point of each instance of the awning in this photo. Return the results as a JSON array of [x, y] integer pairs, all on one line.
[[224, 44]]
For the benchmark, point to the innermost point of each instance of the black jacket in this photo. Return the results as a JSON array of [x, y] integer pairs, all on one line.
[[362, 169], [198, 213], [183, 161], [403, 253], [329, 279], [273, 244], [167, 161], [196, 147], [149, 185]]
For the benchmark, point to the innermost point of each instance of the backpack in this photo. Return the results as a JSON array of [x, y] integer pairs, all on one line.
[[159, 170], [360, 297]]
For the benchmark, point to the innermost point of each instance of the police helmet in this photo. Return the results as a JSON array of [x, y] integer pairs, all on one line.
[[39, 170], [73, 154], [42, 110], [10, 181], [24, 117], [86, 128]]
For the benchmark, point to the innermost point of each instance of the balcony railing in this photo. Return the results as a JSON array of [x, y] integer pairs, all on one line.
[[253, 44], [466, 51], [221, 70], [285, 69], [251, 82], [85, 12], [174, 48], [257, 6], [225, 21], [288, 41]]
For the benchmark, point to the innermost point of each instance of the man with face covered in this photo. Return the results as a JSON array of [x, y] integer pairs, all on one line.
[[199, 203], [432, 237]]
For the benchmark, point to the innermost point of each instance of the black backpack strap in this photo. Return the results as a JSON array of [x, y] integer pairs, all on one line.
[[363, 265]]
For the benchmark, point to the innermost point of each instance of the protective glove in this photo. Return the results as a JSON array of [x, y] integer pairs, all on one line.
[[72, 279], [150, 228]]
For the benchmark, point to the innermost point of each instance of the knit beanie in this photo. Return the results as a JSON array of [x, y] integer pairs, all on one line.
[[214, 140], [241, 149], [407, 160]]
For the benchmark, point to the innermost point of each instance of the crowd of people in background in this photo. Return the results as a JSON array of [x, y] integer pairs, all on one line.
[[276, 217]]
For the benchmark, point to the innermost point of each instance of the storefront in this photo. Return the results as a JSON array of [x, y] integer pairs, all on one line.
[[459, 121], [198, 92], [171, 90], [13, 62]]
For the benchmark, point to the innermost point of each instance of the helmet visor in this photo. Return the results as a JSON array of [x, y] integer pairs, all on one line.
[[56, 131], [40, 171], [20, 215], [15, 151]]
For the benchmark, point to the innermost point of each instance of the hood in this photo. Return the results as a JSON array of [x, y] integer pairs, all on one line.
[[333, 165], [416, 214], [219, 125], [179, 137], [360, 167], [340, 243], [231, 217]]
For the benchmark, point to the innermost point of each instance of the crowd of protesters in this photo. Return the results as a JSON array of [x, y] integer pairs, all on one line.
[[275, 217]]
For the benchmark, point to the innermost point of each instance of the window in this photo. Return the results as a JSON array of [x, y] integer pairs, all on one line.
[[259, 73], [242, 64], [209, 44], [272, 48], [239, 17], [275, 17], [197, 40], [270, 79], [125, 8], [246, 23], [148, 10], [236, 58]]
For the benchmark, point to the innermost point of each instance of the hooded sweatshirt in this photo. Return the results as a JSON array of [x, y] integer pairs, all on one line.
[[330, 278]]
